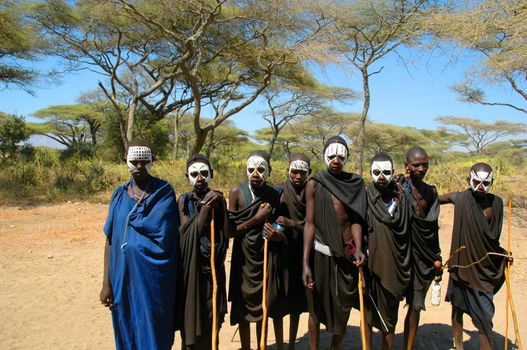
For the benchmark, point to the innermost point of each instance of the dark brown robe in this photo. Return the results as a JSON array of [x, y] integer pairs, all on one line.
[[335, 290], [196, 274], [425, 250], [246, 276], [294, 207], [390, 255]]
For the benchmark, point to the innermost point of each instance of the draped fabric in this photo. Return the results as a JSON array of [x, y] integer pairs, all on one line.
[[246, 276], [143, 266], [425, 248], [389, 242], [196, 273], [479, 237], [335, 276], [294, 207]]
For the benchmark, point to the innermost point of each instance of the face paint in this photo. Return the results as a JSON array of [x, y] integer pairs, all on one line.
[[301, 166], [139, 153], [259, 165], [196, 170], [481, 180], [335, 150], [385, 168]]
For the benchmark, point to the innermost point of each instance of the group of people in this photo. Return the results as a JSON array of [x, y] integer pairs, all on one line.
[[305, 243]]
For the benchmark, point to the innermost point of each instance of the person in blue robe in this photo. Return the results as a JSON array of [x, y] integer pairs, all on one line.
[[141, 254]]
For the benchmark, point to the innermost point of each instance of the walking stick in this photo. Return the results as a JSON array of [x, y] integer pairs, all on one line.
[[507, 276], [263, 340], [362, 318], [509, 300], [214, 284]]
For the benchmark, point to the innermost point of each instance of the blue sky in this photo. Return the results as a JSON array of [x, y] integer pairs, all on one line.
[[406, 95]]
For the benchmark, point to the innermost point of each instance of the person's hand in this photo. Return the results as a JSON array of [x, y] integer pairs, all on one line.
[[271, 233], [286, 222], [360, 259], [264, 211], [307, 277], [106, 295], [212, 199]]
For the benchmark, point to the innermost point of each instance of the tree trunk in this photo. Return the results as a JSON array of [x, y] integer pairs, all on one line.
[[272, 142], [359, 144], [209, 150], [131, 120], [176, 136], [201, 137]]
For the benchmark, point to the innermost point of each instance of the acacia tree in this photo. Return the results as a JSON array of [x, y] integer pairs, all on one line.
[[19, 43], [288, 103], [166, 55], [368, 30], [69, 124], [479, 135], [495, 30]]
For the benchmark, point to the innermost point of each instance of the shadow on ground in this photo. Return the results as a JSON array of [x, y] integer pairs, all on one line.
[[434, 336]]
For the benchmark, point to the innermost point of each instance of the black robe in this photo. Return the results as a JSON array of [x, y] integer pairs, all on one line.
[[293, 206], [472, 230], [246, 276], [390, 255], [196, 273], [335, 290], [425, 251]]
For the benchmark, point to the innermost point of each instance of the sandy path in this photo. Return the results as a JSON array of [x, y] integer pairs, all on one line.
[[51, 270]]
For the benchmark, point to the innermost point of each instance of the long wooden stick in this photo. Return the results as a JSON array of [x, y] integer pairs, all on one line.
[[507, 276], [510, 302], [214, 283], [263, 338], [362, 317]]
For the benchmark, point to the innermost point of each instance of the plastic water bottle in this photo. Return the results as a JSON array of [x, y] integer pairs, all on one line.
[[278, 227], [392, 206], [436, 293]]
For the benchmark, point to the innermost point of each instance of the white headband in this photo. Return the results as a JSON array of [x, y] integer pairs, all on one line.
[[299, 165], [335, 149], [200, 168], [139, 153], [382, 166], [256, 162], [481, 176]]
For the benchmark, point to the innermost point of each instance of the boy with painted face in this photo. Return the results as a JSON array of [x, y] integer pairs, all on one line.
[[141, 256], [389, 242], [425, 238], [195, 210], [252, 207], [292, 217], [335, 217], [478, 219]]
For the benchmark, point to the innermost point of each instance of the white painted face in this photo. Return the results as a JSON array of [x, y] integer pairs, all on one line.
[[383, 168], [259, 165], [481, 180], [139, 153], [301, 166], [335, 150], [197, 169]]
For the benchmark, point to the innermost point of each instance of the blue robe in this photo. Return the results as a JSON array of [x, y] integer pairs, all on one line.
[[143, 266]]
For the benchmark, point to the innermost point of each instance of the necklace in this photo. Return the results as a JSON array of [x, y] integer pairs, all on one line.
[[143, 196]]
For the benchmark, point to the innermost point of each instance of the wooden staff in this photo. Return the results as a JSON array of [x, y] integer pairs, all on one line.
[[507, 276], [214, 283], [263, 340], [509, 301], [362, 317]]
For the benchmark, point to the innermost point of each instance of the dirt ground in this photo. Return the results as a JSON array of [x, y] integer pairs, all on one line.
[[51, 272]]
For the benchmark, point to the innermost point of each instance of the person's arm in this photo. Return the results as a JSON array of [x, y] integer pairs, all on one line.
[[449, 198], [106, 294], [356, 232], [211, 200], [182, 217], [264, 211], [309, 235]]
